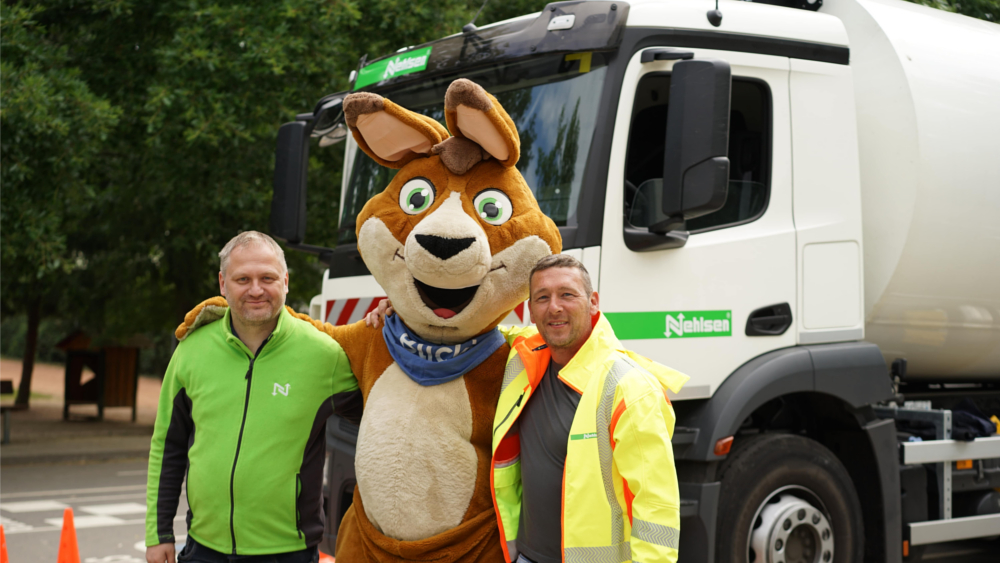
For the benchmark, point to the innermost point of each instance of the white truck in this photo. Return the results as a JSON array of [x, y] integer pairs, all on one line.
[[782, 206]]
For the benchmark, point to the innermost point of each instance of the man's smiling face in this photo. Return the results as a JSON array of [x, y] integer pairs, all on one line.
[[561, 308], [254, 284]]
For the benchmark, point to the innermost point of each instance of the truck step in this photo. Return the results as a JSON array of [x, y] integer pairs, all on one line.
[[923, 533], [934, 451]]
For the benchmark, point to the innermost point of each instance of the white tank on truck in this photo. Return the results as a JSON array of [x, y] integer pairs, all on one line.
[[927, 93]]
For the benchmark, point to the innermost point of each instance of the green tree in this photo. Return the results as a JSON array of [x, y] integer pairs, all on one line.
[[227, 77], [988, 10], [138, 137], [156, 121], [54, 128]]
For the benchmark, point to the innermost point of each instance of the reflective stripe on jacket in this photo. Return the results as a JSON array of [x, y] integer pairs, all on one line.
[[620, 500]]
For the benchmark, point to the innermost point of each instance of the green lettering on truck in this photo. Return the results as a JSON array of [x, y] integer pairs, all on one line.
[[404, 63], [671, 324]]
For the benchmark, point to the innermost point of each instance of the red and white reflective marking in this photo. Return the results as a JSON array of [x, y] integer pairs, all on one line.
[[521, 314], [347, 311]]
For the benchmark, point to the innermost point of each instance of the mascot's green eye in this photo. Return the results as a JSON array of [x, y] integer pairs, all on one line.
[[493, 206], [416, 196]]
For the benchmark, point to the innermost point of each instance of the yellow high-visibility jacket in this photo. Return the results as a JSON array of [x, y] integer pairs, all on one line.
[[620, 500]]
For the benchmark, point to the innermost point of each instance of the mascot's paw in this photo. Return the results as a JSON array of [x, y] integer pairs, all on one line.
[[208, 311], [320, 325]]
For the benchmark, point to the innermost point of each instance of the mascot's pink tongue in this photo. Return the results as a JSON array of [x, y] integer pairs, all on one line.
[[444, 313]]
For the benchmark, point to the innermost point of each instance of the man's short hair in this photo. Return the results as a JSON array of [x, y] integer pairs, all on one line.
[[250, 238], [564, 261]]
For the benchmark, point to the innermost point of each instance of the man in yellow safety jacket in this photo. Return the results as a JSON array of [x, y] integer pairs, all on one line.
[[583, 468]]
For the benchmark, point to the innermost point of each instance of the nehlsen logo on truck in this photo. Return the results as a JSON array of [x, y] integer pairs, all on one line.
[[671, 324], [405, 63]]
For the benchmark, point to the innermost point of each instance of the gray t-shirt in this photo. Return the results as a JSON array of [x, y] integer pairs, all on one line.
[[545, 425]]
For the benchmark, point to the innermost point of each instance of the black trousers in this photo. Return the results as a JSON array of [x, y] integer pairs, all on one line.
[[194, 552]]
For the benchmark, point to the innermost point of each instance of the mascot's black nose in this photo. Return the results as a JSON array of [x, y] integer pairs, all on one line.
[[444, 248]]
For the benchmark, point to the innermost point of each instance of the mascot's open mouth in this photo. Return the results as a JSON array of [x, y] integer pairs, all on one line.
[[446, 303]]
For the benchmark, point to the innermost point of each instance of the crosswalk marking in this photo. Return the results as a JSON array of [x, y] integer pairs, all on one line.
[[32, 506], [95, 521], [89, 515], [56, 525], [179, 542], [13, 526], [61, 492], [103, 498], [115, 509]]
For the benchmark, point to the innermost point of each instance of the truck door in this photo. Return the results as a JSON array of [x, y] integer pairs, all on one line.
[[688, 307]]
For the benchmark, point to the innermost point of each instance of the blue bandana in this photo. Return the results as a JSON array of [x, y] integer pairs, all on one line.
[[434, 364]]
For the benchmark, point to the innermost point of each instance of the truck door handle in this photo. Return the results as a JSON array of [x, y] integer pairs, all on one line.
[[772, 320]]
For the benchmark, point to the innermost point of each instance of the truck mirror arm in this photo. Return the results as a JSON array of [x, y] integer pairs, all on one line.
[[320, 251]]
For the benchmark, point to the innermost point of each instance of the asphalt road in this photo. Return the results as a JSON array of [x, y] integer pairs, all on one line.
[[109, 508]]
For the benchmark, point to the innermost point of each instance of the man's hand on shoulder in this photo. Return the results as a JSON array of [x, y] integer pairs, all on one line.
[[377, 316], [163, 553]]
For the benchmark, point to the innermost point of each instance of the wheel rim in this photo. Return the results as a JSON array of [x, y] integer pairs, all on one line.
[[791, 526]]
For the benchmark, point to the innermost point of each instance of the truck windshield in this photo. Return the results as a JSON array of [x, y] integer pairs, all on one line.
[[553, 101]]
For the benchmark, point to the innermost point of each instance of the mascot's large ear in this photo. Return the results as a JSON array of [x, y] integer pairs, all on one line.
[[390, 134], [473, 113]]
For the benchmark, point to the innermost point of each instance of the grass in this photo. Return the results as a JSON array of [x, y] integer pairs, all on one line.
[[10, 396]]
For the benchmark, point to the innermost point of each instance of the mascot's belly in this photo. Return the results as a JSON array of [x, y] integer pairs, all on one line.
[[415, 465]]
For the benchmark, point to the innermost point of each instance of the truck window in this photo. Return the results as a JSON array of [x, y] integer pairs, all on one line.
[[553, 100], [749, 154]]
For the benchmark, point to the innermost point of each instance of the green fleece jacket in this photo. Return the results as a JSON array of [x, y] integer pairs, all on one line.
[[248, 429]]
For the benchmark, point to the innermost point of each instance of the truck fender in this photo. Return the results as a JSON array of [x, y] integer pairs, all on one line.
[[853, 372]]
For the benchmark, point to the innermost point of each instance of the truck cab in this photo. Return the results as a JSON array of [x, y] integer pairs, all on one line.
[[788, 433]]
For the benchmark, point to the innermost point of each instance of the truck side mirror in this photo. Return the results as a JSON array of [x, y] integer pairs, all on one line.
[[288, 203], [695, 165]]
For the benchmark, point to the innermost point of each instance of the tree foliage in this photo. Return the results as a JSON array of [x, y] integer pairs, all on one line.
[[138, 137], [54, 127], [988, 10]]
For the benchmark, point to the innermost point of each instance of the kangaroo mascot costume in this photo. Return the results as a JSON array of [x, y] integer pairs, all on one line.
[[451, 240]]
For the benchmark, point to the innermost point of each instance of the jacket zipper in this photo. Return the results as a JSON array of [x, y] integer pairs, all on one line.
[[239, 442], [517, 404], [519, 399]]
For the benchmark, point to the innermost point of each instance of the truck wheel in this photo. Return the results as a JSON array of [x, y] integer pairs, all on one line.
[[787, 499]]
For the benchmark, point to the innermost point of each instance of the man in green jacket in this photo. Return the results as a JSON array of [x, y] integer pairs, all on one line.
[[242, 413]]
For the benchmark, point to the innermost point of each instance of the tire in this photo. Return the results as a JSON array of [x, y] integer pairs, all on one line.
[[791, 498]]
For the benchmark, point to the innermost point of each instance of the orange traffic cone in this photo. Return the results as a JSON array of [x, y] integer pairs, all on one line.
[[3, 547], [69, 551], [323, 558]]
